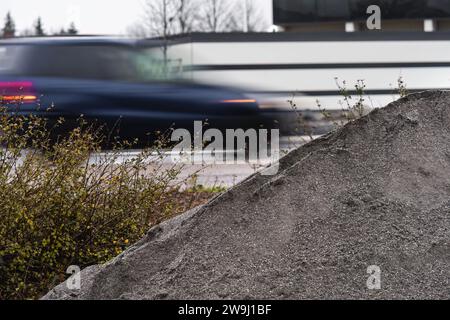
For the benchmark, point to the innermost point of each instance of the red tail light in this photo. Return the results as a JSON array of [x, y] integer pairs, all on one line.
[[239, 101], [17, 92]]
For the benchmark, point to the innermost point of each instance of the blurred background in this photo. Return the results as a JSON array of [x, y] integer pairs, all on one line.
[[280, 61]]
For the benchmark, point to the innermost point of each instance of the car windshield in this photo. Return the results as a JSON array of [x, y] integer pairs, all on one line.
[[96, 62]]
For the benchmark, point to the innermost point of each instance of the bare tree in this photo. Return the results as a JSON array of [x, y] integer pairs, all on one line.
[[187, 15], [219, 15], [160, 17], [163, 18], [252, 16]]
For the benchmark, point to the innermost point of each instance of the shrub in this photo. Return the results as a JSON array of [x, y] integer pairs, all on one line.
[[60, 205]]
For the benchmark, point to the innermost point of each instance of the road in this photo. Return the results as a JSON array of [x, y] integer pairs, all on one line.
[[213, 174]]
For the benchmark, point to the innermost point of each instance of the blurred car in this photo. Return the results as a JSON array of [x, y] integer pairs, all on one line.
[[115, 83]]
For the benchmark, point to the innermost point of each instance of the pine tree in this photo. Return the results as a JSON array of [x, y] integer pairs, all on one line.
[[38, 28], [72, 29], [62, 32], [9, 29]]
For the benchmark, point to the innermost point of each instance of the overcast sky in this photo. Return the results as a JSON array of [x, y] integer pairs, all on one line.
[[90, 16]]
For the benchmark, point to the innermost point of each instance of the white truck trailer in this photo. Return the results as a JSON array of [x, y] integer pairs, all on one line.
[[279, 65]]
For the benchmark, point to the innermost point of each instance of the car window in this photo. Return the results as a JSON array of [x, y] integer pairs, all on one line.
[[9, 57], [97, 62]]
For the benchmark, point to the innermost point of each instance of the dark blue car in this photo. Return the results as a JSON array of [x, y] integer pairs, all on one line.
[[113, 82]]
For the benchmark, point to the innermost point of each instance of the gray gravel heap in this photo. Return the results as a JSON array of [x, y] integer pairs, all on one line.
[[376, 192]]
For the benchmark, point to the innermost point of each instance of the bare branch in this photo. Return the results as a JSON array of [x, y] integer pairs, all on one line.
[[187, 15], [252, 17], [219, 15], [160, 17]]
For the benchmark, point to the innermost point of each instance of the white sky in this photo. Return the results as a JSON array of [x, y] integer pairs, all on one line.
[[90, 16]]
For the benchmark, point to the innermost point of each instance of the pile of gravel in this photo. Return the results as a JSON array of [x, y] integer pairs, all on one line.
[[376, 192]]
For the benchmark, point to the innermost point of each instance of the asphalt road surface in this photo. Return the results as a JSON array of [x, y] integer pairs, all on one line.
[[213, 174]]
